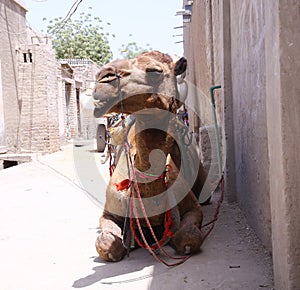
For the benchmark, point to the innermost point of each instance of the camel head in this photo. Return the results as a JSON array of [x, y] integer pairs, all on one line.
[[147, 81]]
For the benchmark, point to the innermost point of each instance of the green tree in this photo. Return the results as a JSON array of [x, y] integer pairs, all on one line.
[[80, 38], [132, 49]]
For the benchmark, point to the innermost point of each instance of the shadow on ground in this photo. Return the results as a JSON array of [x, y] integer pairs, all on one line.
[[231, 258]]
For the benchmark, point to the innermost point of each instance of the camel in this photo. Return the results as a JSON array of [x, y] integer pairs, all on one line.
[[153, 180]]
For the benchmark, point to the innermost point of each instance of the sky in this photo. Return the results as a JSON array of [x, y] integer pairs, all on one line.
[[142, 21]]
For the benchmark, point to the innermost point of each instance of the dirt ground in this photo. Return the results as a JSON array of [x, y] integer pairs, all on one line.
[[234, 239], [48, 226]]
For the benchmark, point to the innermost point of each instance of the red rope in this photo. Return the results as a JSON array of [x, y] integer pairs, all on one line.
[[133, 184], [216, 215], [112, 166], [133, 208], [125, 184], [167, 232], [111, 169]]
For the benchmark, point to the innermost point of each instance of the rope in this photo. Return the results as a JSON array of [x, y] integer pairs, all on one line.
[[133, 184], [167, 232], [216, 215], [149, 176], [133, 211]]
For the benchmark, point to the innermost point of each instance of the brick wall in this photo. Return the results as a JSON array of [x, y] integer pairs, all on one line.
[[41, 100], [12, 34], [38, 91]]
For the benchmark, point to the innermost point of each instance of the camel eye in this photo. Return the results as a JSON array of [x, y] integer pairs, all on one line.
[[109, 77], [156, 70], [154, 75]]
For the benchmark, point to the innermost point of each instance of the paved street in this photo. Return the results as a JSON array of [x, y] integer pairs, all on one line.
[[49, 222]]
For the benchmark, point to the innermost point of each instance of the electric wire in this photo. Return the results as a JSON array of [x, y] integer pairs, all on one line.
[[66, 18]]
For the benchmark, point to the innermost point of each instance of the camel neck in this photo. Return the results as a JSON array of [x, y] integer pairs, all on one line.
[[152, 143]]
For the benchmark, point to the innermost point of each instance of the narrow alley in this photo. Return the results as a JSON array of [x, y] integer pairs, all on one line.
[[49, 225]]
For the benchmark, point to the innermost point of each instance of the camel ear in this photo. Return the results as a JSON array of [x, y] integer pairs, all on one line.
[[180, 66]]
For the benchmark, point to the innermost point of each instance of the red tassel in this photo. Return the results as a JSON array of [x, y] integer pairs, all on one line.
[[124, 184]]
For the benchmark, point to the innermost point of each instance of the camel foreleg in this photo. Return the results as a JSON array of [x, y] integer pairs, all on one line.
[[109, 242], [188, 239]]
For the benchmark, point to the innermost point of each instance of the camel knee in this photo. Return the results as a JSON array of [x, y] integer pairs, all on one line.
[[187, 240]]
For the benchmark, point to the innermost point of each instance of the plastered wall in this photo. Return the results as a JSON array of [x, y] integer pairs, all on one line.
[[248, 31], [252, 48], [204, 49]]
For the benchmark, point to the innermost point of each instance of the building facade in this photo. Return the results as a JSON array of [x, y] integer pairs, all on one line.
[[42, 100]]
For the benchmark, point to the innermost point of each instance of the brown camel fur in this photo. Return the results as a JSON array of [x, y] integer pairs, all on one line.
[[145, 88]]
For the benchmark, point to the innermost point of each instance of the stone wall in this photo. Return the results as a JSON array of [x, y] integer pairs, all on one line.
[[89, 123], [202, 47]]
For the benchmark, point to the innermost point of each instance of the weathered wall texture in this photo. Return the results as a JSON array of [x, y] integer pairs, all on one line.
[[252, 48], [87, 74], [249, 112], [40, 98], [28, 106], [283, 110], [38, 124], [200, 48], [204, 49], [204, 70], [68, 110], [12, 34], [84, 72]]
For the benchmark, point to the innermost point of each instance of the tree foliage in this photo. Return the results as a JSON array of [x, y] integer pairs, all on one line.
[[132, 49], [80, 38]]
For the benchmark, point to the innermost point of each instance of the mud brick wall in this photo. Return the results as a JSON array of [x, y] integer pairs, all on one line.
[[12, 34], [38, 92]]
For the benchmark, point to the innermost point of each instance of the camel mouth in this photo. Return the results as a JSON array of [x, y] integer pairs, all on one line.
[[131, 104], [101, 108], [148, 81]]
